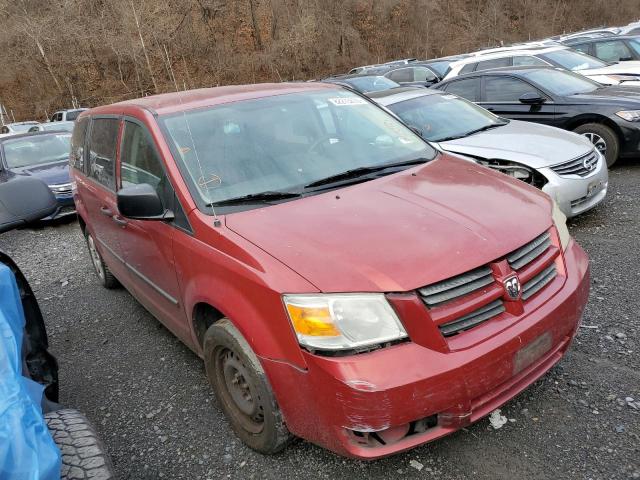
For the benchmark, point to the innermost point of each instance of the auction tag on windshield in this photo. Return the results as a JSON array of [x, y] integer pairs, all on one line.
[[344, 101]]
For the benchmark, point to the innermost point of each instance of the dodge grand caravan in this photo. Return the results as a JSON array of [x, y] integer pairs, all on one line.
[[343, 281]]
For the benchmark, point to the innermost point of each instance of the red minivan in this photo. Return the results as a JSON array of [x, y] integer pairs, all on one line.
[[343, 280]]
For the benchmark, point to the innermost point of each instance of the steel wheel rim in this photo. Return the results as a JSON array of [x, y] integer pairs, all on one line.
[[239, 394], [95, 257], [597, 141]]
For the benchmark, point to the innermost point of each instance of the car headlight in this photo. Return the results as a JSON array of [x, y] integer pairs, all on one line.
[[560, 221], [629, 115], [343, 321]]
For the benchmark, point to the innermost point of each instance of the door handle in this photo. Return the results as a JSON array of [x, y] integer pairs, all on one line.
[[106, 211], [119, 220], [491, 109]]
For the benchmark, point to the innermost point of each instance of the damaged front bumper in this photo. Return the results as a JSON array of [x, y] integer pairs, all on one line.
[[379, 403]]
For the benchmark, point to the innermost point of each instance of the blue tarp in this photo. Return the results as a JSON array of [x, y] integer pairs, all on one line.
[[27, 451]]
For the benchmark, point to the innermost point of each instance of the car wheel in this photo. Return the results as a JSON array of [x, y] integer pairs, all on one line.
[[603, 138], [102, 271], [83, 453], [242, 389]]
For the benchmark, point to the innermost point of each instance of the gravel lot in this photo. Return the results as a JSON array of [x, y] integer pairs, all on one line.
[[150, 401]]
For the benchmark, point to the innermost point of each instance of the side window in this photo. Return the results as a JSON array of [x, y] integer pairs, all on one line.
[[468, 68], [527, 60], [505, 89], [423, 75], [583, 47], [613, 51], [467, 88], [102, 151], [494, 63], [4, 130], [139, 162], [72, 115], [403, 75], [76, 157]]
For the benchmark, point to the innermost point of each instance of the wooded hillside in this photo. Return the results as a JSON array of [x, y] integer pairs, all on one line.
[[102, 51]]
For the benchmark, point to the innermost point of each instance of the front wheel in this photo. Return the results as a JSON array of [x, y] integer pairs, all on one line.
[[603, 138], [242, 389]]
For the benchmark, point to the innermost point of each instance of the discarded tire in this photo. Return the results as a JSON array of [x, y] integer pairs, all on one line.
[[83, 453]]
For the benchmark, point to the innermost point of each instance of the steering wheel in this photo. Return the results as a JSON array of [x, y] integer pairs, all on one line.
[[325, 138]]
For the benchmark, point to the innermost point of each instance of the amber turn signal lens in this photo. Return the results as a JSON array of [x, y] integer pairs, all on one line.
[[316, 322]]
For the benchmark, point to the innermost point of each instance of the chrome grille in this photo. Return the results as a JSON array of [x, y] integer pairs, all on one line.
[[529, 252], [472, 319], [577, 165], [536, 284], [455, 287]]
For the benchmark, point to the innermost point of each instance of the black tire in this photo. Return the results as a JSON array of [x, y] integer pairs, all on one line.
[[105, 277], [604, 139], [242, 389], [83, 453]]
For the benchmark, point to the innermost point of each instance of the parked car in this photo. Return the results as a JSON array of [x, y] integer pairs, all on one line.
[[44, 155], [66, 115], [367, 68], [416, 73], [632, 29], [363, 83], [610, 49], [564, 165], [14, 128], [558, 56], [40, 438], [53, 126], [607, 115], [300, 238], [442, 65]]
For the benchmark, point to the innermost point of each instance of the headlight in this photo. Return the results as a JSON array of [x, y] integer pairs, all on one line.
[[560, 221], [629, 115], [343, 321]]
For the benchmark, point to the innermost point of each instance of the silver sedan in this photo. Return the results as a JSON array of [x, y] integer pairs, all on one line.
[[562, 164]]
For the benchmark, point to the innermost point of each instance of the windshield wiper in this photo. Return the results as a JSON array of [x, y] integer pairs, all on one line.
[[362, 172], [255, 198], [486, 127]]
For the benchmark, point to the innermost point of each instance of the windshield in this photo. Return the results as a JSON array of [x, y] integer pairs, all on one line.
[[36, 150], [561, 82], [635, 45], [572, 60], [284, 142], [440, 117], [371, 83], [441, 67], [22, 127]]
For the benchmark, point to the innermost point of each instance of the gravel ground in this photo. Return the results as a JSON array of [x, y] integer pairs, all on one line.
[[150, 401]]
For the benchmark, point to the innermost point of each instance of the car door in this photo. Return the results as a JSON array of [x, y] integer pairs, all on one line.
[[148, 244], [97, 189], [613, 51], [501, 94], [468, 88]]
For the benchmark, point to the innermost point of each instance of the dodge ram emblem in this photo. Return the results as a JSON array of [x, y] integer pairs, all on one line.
[[512, 288]]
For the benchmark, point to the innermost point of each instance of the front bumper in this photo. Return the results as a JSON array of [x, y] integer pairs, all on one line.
[[386, 390], [575, 195]]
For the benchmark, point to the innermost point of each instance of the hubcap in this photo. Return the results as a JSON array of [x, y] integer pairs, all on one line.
[[240, 393], [597, 141], [95, 257]]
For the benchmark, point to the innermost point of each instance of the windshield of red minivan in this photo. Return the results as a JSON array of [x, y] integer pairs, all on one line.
[[284, 142]]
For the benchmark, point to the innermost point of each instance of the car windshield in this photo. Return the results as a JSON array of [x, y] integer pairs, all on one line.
[[22, 127], [36, 150], [572, 60], [441, 67], [371, 83], [561, 82], [440, 117], [635, 45], [284, 142]]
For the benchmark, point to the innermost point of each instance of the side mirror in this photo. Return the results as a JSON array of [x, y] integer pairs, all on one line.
[[141, 202], [532, 98], [24, 200]]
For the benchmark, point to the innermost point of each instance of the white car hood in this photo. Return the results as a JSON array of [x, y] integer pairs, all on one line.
[[631, 68], [536, 146]]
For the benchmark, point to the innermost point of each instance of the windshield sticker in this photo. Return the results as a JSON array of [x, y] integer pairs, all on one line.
[[344, 101]]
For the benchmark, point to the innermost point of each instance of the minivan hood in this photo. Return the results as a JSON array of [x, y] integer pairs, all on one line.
[[54, 173], [531, 144], [402, 231]]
